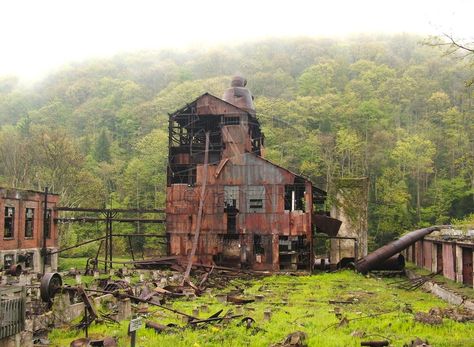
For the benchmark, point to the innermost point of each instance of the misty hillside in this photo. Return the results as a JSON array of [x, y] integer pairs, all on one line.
[[385, 107]]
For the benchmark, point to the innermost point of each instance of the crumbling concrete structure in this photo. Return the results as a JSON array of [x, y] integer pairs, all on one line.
[[23, 229]]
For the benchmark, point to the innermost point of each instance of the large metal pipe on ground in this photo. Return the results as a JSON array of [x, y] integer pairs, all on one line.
[[383, 253], [394, 263]]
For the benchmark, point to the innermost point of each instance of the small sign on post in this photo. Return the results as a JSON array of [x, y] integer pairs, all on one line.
[[134, 325]]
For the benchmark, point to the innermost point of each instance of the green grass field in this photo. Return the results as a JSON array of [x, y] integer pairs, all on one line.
[[300, 303]]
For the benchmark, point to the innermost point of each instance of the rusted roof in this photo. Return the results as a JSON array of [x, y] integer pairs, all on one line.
[[212, 96]]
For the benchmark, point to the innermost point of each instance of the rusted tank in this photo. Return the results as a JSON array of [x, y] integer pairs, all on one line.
[[379, 256], [238, 95]]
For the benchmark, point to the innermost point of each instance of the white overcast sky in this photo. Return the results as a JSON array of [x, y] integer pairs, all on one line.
[[39, 35]]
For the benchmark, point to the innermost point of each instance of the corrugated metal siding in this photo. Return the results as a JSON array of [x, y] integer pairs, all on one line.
[[427, 252], [419, 253], [448, 262]]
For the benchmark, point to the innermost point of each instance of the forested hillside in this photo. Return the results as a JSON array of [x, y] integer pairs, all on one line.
[[384, 107]]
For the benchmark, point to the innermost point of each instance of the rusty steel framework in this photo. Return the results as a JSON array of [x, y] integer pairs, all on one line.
[[254, 213], [108, 216]]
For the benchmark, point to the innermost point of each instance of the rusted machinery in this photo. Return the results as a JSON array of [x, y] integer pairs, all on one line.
[[375, 259]]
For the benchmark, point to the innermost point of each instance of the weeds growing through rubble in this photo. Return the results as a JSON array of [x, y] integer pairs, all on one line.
[[361, 309]]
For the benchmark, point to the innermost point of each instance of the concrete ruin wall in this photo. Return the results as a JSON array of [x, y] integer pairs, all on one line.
[[351, 207]]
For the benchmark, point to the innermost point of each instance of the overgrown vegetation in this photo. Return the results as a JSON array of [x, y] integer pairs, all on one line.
[[378, 311], [385, 107]]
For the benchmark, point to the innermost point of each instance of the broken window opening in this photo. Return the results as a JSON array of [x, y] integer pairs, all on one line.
[[29, 222], [8, 261], [295, 197], [231, 212], [48, 259], [231, 121], [293, 252], [9, 223], [231, 201], [258, 245], [256, 203], [187, 133], [231, 248], [182, 173], [27, 259], [255, 199]]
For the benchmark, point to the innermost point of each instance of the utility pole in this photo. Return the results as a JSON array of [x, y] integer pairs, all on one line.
[[45, 227]]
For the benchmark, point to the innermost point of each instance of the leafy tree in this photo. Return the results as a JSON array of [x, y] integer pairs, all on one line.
[[415, 154], [102, 147]]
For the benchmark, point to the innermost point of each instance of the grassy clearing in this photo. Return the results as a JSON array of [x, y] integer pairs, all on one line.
[[301, 303], [65, 264]]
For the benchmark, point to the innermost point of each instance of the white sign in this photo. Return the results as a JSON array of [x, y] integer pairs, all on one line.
[[135, 324]]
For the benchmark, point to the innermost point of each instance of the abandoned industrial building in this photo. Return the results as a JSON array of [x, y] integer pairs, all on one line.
[[22, 224], [250, 212]]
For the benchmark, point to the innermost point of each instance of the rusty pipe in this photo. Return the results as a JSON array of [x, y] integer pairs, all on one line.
[[394, 263], [381, 254]]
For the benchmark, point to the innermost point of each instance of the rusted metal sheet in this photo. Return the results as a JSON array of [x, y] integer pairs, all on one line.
[[449, 261], [380, 255], [327, 225], [427, 254], [418, 253], [209, 104]]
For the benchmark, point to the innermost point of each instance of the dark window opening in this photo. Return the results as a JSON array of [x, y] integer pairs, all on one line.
[[231, 121], [29, 222], [8, 261], [231, 212], [258, 245], [9, 222], [439, 258], [48, 259], [294, 252], [231, 196], [187, 134], [467, 266], [255, 199], [182, 173], [47, 230], [256, 203], [294, 197], [27, 259]]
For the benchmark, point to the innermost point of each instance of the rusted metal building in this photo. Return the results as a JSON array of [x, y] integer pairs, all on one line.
[[448, 252], [248, 211], [22, 229]]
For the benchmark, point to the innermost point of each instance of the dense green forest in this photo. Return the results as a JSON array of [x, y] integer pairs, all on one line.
[[385, 107]]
